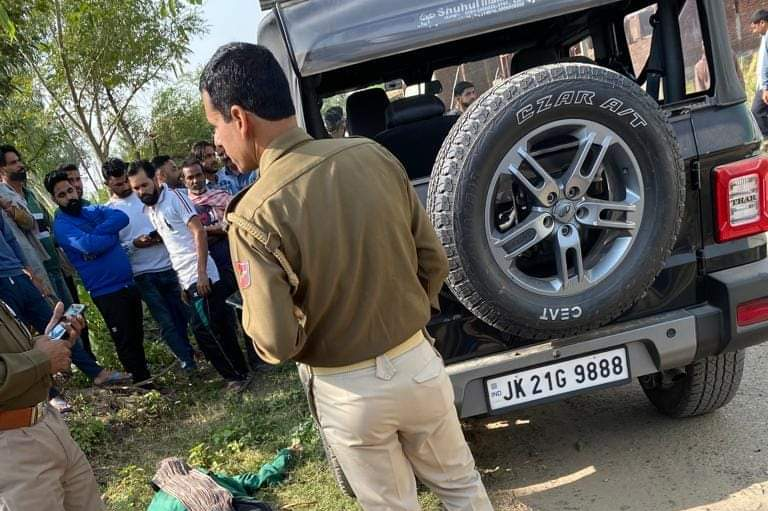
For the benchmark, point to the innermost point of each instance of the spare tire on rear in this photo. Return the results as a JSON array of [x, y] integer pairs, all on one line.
[[558, 196]]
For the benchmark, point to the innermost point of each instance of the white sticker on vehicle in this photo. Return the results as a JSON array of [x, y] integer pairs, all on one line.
[[561, 313], [463, 10]]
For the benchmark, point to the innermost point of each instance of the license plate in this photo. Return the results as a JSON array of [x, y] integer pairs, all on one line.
[[566, 377]]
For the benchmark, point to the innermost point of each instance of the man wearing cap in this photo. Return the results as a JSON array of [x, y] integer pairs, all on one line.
[[464, 94], [42, 467], [339, 268]]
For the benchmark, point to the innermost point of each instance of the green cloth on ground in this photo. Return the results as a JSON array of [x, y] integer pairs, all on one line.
[[241, 486]]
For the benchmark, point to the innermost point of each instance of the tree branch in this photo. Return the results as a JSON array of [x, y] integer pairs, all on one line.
[[49, 90], [151, 76], [123, 126], [59, 36]]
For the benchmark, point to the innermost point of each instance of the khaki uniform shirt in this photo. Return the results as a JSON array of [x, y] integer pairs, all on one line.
[[24, 372], [368, 262]]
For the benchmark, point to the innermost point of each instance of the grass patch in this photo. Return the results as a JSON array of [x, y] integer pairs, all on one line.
[[126, 433]]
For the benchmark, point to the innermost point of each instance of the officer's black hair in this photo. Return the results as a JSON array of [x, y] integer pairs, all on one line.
[[159, 161], [53, 178], [7, 148], [760, 15], [137, 166], [113, 167], [247, 75]]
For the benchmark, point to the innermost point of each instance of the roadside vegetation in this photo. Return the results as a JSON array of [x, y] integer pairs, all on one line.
[[125, 432]]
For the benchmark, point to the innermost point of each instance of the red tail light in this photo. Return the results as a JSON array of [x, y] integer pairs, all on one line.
[[741, 198], [751, 312]]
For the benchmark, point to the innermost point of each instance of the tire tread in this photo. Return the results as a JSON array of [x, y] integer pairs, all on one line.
[[708, 384]]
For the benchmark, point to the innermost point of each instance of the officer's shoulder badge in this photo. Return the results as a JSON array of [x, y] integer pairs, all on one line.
[[243, 271]]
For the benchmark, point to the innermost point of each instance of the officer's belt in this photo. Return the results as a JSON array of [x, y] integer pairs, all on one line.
[[398, 350], [21, 417]]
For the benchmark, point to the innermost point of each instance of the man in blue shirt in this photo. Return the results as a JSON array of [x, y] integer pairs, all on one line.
[[90, 238], [230, 178], [760, 102]]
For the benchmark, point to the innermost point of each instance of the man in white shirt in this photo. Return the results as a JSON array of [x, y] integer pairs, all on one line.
[[152, 271], [168, 173], [176, 222]]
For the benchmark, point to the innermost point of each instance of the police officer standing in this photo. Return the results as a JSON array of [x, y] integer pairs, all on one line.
[[338, 266], [41, 466]]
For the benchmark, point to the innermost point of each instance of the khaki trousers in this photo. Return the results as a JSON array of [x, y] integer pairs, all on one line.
[[390, 422], [42, 468]]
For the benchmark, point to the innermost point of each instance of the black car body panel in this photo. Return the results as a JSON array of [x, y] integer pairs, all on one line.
[[330, 46]]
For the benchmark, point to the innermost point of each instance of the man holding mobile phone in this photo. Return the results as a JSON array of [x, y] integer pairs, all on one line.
[[42, 466], [151, 265], [213, 321]]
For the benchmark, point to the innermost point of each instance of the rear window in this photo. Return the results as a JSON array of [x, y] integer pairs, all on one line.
[[638, 31]]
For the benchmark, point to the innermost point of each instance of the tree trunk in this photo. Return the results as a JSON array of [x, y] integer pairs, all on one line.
[[125, 130]]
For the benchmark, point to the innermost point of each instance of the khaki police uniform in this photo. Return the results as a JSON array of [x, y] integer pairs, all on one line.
[[41, 466], [338, 267]]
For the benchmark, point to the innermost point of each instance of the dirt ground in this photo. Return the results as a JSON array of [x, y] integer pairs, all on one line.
[[611, 451]]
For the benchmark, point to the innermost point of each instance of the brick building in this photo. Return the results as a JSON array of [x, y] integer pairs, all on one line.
[[739, 12]]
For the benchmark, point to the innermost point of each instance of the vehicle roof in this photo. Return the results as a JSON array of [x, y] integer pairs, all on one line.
[[311, 37], [330, 34]]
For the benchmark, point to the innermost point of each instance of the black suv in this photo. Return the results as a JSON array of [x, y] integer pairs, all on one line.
[[602, 203]]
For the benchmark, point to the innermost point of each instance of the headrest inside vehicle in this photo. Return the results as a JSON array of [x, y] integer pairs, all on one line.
[[413, 109]]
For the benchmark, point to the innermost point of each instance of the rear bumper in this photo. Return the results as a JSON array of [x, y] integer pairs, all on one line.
[[654, 343]]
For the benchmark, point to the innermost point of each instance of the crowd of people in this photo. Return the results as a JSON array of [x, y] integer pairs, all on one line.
[[158, 240]]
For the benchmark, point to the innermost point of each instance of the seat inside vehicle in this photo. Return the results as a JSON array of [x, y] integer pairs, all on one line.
[[365, 112], [416, 128]]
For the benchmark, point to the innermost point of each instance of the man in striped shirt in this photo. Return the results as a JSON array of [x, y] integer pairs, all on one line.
[[176, 221]]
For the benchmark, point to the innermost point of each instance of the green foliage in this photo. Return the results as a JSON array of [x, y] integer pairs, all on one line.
[[130, 487], [177, 119], [749, 72], [92, 57], [26, 123], [7, 26], [89, 432]]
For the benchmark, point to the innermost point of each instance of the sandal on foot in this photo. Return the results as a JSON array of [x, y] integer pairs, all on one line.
[[114, 378]]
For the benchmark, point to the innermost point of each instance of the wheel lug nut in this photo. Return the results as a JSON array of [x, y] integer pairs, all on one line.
[[551, 197], [581, 212], [573, 192], [566, 230], [548, 222]]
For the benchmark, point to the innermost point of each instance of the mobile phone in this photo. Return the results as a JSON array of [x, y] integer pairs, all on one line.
[[59, 332], [75, 309]]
